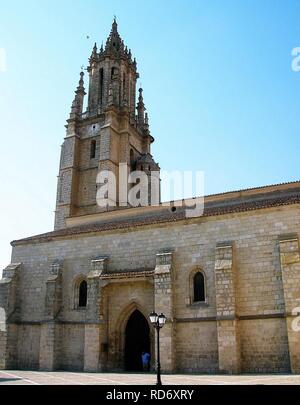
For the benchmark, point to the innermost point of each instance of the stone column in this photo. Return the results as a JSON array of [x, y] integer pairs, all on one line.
[[290, 267], [227, 323], [49, 342], [92, 327], [8, 315], [163, 290]]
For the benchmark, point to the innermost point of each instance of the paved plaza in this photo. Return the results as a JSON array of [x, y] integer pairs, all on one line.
[[71, 378]]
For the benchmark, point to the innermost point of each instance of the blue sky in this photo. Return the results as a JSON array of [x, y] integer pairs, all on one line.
[[218, 86]]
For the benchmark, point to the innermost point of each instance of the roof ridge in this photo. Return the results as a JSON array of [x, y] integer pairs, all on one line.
[[165, 218]]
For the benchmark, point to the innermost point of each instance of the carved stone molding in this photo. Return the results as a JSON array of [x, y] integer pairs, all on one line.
[[55, 271], [163, 263], [98, 266], [10, 272]]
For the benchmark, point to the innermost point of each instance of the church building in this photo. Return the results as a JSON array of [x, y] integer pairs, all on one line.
[[79, 297]]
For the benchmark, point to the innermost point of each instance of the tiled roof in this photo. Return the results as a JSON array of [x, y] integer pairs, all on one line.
[[287, 183], [127, 274], [261, 201]]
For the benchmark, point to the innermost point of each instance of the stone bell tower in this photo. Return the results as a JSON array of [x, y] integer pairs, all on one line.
[[113, 130]]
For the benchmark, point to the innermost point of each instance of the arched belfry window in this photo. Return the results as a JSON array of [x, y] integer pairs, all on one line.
[[93, 149], [199, 287], [82, 302]]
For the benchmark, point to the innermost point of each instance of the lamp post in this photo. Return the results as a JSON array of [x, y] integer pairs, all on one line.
[[158, 322]]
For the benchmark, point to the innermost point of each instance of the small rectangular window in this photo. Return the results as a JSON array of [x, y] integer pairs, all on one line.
[[93, 150]]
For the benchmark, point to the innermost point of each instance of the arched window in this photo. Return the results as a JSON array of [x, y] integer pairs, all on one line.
[[82, 294], [199, 287], [93, 150]]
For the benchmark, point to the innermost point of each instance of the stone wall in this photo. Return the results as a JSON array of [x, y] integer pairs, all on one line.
[[260, 294], [28, 347], [77, 186], [72, 347], [264, 346], [197, 347], [290, 266]]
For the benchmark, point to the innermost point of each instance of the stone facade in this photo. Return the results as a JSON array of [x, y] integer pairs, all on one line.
[[109, 133], [244, 326], [246, 246]]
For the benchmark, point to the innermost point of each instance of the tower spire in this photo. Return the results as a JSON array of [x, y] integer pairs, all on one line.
[[77, 104], [115, 24], [141, 108], [80, 87], [94, 53], [121, 71], [116, 115], [114, 42]]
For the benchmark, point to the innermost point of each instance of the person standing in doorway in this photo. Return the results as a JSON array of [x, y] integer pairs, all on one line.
[[146, 361]]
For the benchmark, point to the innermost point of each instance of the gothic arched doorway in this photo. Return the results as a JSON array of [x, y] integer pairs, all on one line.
[[137, 340]]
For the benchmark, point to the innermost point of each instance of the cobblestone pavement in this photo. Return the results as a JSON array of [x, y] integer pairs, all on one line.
[[68, 378]]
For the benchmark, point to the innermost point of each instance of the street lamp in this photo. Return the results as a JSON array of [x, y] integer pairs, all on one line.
[[158, 322]]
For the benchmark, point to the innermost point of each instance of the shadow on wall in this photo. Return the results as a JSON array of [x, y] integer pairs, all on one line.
[[2, 320]]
